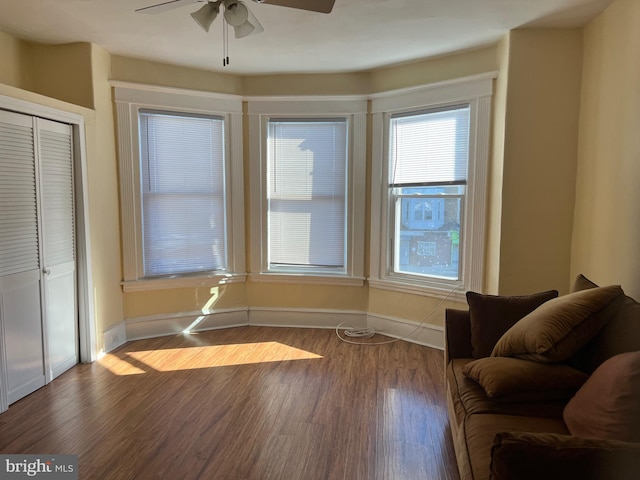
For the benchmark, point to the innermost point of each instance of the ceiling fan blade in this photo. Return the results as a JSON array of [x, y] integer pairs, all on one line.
[[321, 6], [165, 6]]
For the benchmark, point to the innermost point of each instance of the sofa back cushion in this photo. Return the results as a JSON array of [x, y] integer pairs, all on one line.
[[492, 315], [607, 406], [620, 334], [559, 328]]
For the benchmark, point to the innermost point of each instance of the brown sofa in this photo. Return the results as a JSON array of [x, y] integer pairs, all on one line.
[[522, 437]]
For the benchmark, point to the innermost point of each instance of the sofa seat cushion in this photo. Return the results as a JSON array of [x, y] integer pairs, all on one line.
[[469, 398], [480, 431]]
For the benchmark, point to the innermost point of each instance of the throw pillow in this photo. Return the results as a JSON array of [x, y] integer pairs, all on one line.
[[501, 376], [582, 283], [558, 328], [608, 404], [492, 315]]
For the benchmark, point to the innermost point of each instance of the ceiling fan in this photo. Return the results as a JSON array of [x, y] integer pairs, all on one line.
[[236, 12]]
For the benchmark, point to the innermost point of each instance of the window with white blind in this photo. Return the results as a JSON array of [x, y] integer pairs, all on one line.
[[308, 170], [183, 193], [429, 153], [430, 157], [306, 196]]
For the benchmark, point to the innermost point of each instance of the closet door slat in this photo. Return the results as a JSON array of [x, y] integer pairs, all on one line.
[[18, 207]]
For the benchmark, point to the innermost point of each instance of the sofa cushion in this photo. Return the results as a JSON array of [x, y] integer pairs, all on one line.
[[533, 456], [582, 283], [558, 328], [469, 398], [480, 431], [504, 376], [492, 315], [608, 404], [620, 334]]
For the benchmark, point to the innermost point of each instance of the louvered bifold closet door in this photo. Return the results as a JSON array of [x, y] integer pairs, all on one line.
[[20, 293], [56, 183]]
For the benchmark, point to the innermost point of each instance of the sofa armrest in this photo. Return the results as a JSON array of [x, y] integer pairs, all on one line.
[[532, 456], [457, 334]]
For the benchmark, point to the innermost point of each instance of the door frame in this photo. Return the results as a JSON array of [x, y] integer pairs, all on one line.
[[84, 275]]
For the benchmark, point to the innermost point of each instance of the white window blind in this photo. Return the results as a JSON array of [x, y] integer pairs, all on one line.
[[183, 193], [306, 176], [430, 148]]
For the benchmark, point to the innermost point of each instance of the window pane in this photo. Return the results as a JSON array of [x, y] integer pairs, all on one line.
[[428, 231], [183, 193], [306, 192]]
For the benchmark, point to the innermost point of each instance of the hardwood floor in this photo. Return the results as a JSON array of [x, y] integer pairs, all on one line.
[[250, 403]]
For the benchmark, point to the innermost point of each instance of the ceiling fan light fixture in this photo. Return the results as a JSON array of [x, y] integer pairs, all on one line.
[[250, 27], [235, 13], [206, 15]]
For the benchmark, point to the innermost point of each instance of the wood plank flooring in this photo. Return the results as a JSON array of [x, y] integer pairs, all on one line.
[[251, 403]]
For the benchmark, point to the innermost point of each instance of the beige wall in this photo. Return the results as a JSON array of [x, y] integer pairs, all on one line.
[[433, 70], [60, 71], [153, 73], [11, 59], [540, 155], [318, 84], [184, 300], [296, 295], [606, 232], [457, 65], [103, 199]]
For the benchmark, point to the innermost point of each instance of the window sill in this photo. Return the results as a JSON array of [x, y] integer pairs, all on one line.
[[167, 283], [307, 279], [456, 293]]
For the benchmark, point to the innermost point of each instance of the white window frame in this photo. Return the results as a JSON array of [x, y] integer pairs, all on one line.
[[475, 91], [353, 109], [130, 99]]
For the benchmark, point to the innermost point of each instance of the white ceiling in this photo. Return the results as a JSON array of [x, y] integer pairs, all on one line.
[[357, 35]]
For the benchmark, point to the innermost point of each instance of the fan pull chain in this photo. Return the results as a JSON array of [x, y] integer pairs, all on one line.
[[225, 43]]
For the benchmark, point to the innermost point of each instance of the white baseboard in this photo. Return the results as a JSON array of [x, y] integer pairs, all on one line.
[[114, 337], [305, 318], [425, 334], [57, 370], [172, 324]]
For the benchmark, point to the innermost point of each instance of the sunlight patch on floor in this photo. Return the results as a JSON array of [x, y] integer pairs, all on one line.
[[118, 366], [211, 356]]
